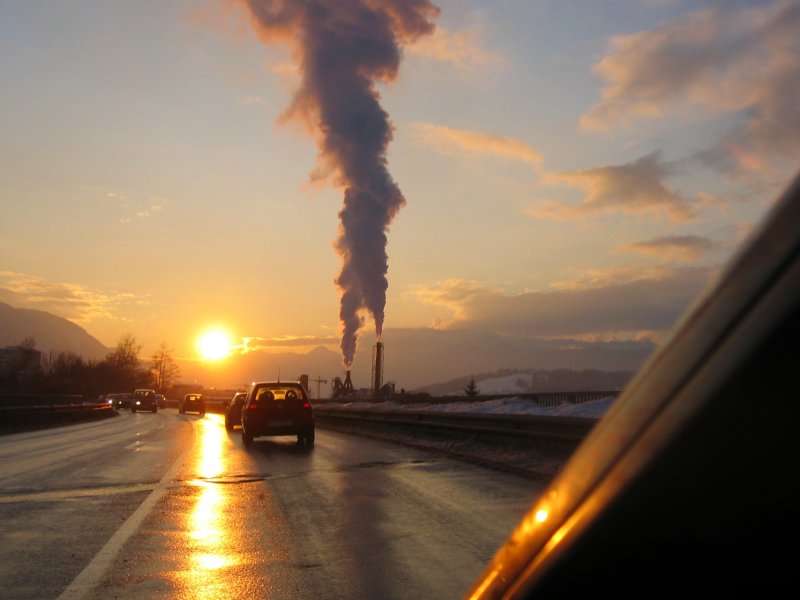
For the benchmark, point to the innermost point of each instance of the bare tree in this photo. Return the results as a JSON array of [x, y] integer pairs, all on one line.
[[126, 354], [164, 370], [123, 363]]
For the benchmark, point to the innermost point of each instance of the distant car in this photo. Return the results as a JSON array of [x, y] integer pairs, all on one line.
[[120, 400], [277, 408], [193, 403], [144, 399], [233, 411], [161, 401]]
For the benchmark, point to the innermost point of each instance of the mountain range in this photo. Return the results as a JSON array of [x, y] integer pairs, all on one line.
[[48, 331]]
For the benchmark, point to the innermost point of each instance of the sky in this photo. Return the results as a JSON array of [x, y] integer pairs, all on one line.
[[565, 169]]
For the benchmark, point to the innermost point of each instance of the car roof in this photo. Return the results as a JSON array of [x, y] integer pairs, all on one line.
[[688, 481]]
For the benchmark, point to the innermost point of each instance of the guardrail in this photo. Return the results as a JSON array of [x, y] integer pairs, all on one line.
[[522, 427], [25, 412], [546, 399]]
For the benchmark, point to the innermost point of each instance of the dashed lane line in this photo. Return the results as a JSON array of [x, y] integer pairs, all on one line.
[[90, 577]]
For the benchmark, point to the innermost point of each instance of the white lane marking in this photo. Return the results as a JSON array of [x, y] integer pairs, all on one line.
[[59, 495], [90, 577]]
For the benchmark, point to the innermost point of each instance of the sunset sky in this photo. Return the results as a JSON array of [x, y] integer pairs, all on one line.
[[575, 169]]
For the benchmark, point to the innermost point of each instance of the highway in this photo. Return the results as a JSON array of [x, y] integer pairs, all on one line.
[[169, 505]]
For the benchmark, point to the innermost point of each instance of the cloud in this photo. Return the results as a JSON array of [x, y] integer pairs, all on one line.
[[463, 48], [724, 59], [149, 211], [633, 187], [253, 343], [133, 208], [454, 294], [68, 300], [622, 309], [253, 100], [447, 140], [675, 247]]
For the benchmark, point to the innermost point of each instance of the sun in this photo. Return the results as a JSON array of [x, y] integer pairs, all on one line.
[[214, 345]]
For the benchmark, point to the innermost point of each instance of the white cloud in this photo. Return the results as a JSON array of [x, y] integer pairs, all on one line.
[[68, 300], [463, 48], [448, 140], [634, 187], [724, 59], [622, 305], [686, 248]]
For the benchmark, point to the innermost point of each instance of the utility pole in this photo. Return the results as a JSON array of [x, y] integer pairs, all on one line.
[[318, 381]]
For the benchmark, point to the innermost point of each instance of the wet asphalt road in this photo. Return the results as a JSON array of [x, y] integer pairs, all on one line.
[[172, 506]]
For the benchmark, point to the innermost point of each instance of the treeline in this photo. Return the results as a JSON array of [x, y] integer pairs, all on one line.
[[33, 372]]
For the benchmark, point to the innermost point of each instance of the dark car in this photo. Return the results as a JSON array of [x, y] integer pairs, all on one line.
[[233, 411], [688, 484], [193, 403], [144, 400], [161, 401], [277, 408], [121, 400]]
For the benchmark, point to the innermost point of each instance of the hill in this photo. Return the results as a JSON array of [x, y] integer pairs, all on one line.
[[49, 331], [513, 381]]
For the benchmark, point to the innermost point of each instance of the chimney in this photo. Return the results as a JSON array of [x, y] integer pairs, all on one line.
[[377, 369], [348, 383]]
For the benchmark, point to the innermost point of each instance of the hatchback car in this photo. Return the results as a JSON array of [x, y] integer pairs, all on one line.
[[233, 411], [144, 400], [193, 403], [277, 408]]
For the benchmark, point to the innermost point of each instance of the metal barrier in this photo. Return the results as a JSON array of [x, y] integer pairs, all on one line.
[[26, 412], [523, 427]]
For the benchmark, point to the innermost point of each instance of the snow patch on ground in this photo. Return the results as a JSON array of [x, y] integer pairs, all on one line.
[[507, 406]]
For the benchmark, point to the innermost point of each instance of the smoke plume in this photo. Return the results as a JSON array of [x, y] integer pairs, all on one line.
[[344, 47]]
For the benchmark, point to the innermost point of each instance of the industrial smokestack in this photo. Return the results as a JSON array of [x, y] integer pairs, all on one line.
[[344, 47], [347, 387], [377, 369]]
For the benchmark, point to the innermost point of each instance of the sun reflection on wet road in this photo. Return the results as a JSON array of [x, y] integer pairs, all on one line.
[[211, 546]]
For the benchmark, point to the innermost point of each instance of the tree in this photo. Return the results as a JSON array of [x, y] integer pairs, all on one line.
[[126, 354], [123, 364], [163, 370], [471, 390]]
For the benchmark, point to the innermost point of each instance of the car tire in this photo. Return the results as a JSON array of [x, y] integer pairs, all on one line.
[[133, 410], [247, 439], [306, 438], [228, 425]]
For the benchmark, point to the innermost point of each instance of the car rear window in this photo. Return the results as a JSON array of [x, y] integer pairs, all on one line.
[[280, 393]]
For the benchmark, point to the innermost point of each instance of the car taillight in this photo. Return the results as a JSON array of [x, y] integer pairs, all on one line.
[[306, 404], [253, 406]]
